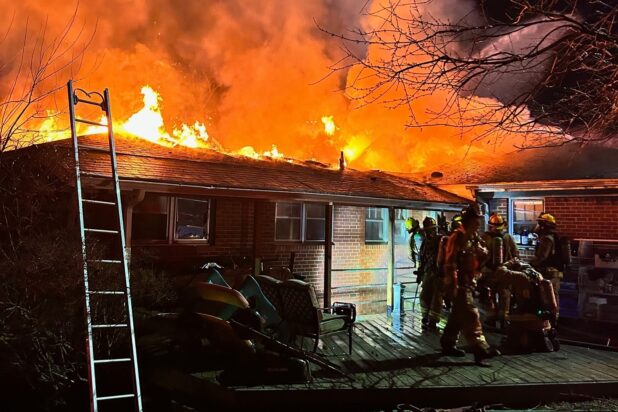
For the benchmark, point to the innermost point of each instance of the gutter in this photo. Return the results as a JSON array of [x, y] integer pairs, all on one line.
[[580, 184], [130, 184]]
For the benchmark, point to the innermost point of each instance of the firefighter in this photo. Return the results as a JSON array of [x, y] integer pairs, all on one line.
[[502, 248], [413, 227], [431, 298], [546, 257], [464, 254], [455, 223], [529, 328]]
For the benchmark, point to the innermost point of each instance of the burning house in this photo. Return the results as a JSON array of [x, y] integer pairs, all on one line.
[[209, 165], [184, 207]]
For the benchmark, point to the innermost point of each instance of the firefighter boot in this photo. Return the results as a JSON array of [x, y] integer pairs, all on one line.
[[480, 354]]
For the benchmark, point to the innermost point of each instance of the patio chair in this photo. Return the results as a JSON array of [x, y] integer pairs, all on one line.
[[278, 272], [306, 318], [270, 287]]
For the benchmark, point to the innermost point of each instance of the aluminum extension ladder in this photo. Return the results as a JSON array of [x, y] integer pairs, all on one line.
[[124, 293]]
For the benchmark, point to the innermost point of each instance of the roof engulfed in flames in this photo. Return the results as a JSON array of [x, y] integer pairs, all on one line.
[[223, 76], [148, 124]]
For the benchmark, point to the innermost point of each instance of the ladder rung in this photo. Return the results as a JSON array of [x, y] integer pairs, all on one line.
[[91, 122], [110, 325], [106, 292], [79, 100], [105, 261], [113, 232], [99, 202], [108, 398], [112, 360]]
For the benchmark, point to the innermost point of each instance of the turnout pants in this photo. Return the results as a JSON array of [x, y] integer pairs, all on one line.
[[431, 297], [464, 318]]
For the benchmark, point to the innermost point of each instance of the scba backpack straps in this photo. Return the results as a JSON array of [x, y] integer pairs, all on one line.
[[561, 257]]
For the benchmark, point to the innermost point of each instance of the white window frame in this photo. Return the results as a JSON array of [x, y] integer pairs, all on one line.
[[305, 219], [172, 207], [511, 211], [172, 225], [300, 222], [384, 221], [303, 223]]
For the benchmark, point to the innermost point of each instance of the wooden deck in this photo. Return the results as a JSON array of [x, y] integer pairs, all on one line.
[[394, 362]]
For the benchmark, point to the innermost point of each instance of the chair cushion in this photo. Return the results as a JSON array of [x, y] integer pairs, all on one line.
[[332, 323], [300, 305]]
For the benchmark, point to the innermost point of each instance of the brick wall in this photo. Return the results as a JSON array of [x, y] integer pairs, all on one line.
[[350, 283], [309, 260], [359, 269], [350, 255], [500, 205], [578, 217], [585, 217]]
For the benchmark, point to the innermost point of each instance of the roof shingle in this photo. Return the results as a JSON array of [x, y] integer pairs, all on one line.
[[144, 161]]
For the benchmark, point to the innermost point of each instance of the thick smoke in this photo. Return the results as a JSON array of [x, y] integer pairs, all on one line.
[[257, 72]]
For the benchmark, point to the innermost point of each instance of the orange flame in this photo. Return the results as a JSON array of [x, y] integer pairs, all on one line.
[[255, 76], [50, 129], [249, 151], [191, 136], [329, 125], [148, 122]]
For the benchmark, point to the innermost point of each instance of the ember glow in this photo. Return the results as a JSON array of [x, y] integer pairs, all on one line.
[[329, 125], [230, 76]]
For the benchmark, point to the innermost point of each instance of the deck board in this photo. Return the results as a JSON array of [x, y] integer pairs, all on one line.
[[394, 357]]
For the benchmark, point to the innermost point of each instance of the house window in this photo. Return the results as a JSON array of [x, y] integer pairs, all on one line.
[[376, 225], [315, 222], [288, 221], [300, 222], [524, 215], [150, 218], [192, 219]]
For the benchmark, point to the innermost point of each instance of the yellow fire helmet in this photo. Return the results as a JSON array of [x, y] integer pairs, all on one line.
[[547, 219], [456, 222], [412, 224], [497, 221]]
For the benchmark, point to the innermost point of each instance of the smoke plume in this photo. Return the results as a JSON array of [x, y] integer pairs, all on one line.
[[257, 73]]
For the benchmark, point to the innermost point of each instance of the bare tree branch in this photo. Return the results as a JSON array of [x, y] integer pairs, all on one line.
[[35, 77], [546, 69]]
